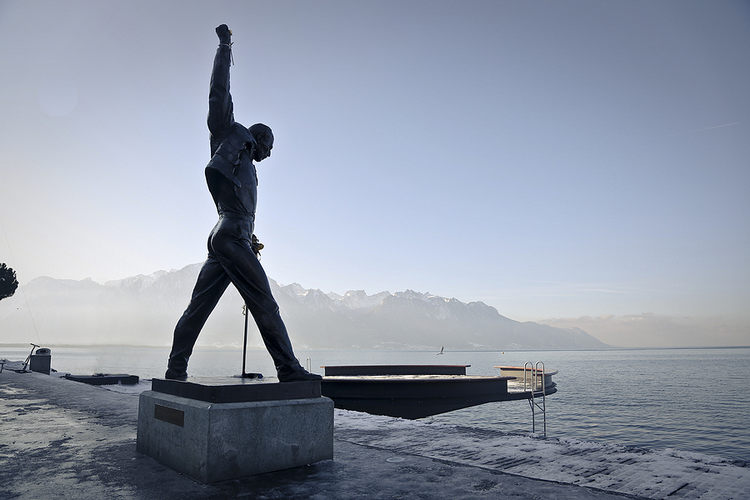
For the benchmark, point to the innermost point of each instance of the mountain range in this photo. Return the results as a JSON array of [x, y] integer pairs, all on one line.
[[143, 309]]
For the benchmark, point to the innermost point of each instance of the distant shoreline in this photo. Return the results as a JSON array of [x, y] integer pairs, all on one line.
[[610, 348]]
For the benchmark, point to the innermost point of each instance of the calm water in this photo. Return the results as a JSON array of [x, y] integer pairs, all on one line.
[[690, 399]]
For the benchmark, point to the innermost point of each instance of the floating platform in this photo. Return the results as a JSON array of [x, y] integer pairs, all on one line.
[[418, 391], [104, 379]]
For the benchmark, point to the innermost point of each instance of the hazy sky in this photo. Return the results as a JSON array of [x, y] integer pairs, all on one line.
[[551, 158]]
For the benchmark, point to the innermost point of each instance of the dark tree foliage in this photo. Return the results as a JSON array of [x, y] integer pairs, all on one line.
[[8, 281]]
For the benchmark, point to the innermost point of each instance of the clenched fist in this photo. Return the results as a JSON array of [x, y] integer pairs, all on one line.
[[224, 33]]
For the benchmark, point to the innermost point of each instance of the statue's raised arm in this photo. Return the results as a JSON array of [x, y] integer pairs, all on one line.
[[220, 108]]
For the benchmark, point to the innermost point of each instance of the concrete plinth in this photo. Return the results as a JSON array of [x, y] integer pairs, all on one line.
[[217, 441]]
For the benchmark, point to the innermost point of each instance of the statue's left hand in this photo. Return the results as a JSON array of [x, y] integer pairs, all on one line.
[[256, 245]]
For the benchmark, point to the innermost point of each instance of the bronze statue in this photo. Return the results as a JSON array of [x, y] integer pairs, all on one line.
[[232, 181]]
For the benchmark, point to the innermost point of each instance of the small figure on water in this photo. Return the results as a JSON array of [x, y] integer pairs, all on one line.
[[232, 246]]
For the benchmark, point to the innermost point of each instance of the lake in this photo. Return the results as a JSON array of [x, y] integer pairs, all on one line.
[[689, 399]]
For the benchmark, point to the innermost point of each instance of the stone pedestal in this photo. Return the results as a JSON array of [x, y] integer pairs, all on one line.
[[213, 430]]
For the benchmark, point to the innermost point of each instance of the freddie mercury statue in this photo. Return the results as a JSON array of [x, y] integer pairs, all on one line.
[[232, 181]]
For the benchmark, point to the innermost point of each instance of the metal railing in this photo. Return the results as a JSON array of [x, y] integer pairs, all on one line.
[[533, 381]]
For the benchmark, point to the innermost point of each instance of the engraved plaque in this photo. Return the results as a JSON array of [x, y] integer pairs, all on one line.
[[169, 415]]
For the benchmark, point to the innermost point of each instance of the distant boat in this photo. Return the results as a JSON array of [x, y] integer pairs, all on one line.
[[442, 348]]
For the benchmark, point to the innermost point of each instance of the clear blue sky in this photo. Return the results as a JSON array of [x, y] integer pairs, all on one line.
[[550, 158]]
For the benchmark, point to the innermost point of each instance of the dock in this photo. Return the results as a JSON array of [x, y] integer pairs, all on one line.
[[62, 439]]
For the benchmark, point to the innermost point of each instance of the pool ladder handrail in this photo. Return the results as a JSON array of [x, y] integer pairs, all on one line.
[[532, 383]]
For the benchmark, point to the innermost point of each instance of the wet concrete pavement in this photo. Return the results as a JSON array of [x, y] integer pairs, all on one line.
[[63, 439]]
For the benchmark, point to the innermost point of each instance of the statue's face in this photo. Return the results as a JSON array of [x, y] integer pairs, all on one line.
[[263, 149]]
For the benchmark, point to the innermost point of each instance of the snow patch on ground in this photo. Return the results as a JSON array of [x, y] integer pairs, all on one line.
[[605, 466], [142, 385], [11, 365]]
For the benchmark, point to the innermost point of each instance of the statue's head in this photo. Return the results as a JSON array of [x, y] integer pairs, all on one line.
[[264, 139]]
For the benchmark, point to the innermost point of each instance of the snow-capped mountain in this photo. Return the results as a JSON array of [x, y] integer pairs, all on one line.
[[143, 310]]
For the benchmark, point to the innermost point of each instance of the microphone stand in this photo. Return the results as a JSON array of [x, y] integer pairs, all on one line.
[[244, 351]]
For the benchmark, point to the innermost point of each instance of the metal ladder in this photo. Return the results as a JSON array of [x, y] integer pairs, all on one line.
[[530, 383]]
